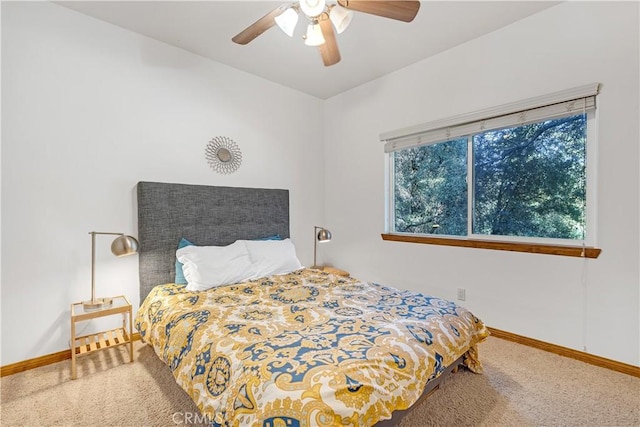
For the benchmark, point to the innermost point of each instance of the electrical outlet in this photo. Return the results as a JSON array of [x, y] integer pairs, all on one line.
[[462, 294]]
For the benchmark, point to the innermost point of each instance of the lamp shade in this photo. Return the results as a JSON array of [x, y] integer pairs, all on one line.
[[124, 245], [314, 35], [340, 17], [287, 21], [324, 235]]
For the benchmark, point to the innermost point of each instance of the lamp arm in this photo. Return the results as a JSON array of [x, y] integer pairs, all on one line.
[[110, 234], [93, 266], [315, 244], [93, 260]]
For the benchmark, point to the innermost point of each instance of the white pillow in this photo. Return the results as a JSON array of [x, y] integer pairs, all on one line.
[[208, 266], [270, 257]]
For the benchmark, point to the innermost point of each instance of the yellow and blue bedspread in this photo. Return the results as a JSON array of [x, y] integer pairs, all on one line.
[[305, 349]]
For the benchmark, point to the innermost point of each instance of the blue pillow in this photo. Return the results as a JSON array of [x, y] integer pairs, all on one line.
[[180, 279], [274, 237]]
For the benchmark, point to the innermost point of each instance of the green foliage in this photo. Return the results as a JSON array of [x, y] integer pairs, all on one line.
[[431, 190], [529, 181]]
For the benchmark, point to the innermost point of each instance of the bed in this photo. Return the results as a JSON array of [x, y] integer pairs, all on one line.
[[306, 348]]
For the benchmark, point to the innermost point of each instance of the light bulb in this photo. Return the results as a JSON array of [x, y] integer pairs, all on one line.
[[312, 8], [340, 17], [287, 21], [314, 35]]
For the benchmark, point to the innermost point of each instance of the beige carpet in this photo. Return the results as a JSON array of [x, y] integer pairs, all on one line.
[[521, 387]]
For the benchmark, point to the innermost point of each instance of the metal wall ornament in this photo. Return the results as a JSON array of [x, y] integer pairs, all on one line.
[[223, 155]]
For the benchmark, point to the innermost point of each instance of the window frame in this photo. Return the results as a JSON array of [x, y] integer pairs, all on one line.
[[568, 247]]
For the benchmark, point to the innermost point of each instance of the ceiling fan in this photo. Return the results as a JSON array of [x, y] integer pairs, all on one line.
[[321, 15]]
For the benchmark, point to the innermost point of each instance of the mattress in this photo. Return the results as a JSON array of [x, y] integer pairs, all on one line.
[[307, 348]]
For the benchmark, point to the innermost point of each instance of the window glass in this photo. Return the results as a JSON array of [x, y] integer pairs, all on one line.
[[430, 191], [530, 180]]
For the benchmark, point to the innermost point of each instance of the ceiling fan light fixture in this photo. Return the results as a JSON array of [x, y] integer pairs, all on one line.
[[312, 8], [340, 17], [326, 18], [314, 35], [287, 21]]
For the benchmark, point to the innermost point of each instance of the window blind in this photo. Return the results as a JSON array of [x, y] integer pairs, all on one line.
[[552, 106]]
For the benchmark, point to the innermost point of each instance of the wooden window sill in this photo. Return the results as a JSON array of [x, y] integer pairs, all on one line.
[[575, 251]]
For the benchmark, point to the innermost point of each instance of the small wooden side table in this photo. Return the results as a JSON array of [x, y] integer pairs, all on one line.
[[88, 344]]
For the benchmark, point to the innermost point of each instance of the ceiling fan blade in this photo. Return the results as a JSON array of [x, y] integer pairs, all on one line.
[[259, 27], [329, 49], [400, 10]]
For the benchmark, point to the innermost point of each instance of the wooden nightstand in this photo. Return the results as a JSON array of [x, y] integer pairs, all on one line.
[[336, 271], [87, 344]]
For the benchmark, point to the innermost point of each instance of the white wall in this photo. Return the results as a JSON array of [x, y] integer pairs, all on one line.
[[567, 301], [88, 110]]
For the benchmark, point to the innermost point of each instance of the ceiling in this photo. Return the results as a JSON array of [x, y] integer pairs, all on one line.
[[371, 47]]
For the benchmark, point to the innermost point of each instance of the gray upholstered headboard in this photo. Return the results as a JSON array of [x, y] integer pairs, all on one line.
[[204, 215]]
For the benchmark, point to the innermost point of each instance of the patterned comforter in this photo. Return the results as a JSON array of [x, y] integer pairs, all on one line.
[[305, 349]]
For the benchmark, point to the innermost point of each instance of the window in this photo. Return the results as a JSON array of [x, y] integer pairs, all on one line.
[[510, 174], [430, 189]]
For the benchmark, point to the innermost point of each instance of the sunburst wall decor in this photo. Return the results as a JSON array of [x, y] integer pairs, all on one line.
[[223, 155]]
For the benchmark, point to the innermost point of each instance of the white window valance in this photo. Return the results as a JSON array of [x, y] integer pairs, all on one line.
[[551, 106]]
